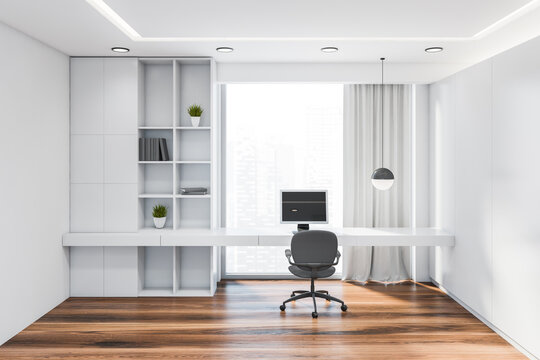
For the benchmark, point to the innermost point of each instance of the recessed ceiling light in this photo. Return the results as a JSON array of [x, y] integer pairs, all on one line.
[[329, 49], [224, 49], [434, 49], [119, 49]]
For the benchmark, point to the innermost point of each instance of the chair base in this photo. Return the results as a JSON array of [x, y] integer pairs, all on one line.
[[322, 294], [296, 292]]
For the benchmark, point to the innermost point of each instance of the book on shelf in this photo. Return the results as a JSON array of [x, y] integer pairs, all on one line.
[[193, 191], [163, 151], [153, 149]]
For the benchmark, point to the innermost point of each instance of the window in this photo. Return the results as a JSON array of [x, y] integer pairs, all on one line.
[[279, 136]]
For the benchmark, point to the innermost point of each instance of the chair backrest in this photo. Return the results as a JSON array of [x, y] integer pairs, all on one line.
[[314, 246]]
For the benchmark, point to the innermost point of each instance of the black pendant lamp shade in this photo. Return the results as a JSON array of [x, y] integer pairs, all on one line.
[[382, 178]]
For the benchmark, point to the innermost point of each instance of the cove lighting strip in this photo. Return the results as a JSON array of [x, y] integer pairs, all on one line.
[[130, 32]]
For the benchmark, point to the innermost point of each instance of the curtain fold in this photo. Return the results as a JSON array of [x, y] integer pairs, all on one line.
[[363, 205]]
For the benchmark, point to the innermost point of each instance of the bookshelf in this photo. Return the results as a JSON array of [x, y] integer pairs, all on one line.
[[167, 88]]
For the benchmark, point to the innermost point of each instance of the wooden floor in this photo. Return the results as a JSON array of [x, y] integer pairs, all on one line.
[[243, 321]]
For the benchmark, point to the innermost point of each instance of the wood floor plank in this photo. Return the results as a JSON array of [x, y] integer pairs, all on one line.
[[404, 321]]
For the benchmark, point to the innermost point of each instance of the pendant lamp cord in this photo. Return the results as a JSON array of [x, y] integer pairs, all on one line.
[[382, 112]]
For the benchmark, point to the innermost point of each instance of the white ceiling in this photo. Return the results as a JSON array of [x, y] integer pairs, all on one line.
[[282, 30], [311, 18]]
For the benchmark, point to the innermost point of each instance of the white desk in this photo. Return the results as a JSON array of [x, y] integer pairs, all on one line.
[[260, 237], [186, 262]]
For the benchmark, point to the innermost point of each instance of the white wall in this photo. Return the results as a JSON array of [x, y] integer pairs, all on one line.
[[344, 73], [34, 180], [484, 188], [420, 181]]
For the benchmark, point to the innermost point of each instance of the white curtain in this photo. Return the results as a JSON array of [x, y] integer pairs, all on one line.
[[363, 205]]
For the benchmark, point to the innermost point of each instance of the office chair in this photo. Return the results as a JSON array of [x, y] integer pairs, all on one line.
[[314, 253]]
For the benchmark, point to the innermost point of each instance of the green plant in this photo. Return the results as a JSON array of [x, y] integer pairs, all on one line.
[[159, 211], [195, 110]]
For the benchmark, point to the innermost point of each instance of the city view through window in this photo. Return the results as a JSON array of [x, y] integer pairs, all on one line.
[[279, 136]]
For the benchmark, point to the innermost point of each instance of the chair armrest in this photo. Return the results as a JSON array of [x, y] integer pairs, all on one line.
[[338, 256], [288, 254]]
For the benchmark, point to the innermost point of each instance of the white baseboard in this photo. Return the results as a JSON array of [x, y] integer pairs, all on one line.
[[489, 324]]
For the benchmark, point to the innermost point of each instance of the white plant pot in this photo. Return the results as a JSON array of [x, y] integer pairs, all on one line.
[[195, 120], [160, 222]]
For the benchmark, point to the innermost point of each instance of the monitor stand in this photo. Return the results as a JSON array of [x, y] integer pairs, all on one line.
[[301, 227]]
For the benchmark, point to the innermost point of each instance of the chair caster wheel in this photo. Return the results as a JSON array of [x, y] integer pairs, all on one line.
[[343, 307], [282, 307], [314, 315]]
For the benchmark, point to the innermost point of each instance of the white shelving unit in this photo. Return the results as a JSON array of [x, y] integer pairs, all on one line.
[[168, 87], [114, 102]]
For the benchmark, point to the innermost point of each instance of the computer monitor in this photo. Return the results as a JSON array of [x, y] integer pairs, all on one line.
[[304, 207]]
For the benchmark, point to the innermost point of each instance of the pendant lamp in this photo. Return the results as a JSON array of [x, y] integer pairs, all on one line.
[[382, 178]]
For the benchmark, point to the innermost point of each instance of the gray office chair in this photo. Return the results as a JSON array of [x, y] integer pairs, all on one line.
[[314, 253]]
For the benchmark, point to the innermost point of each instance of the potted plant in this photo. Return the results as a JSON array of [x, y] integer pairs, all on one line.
[[159, 212], [195, 111]]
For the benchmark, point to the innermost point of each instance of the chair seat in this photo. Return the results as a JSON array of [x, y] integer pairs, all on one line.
[[307, 274]]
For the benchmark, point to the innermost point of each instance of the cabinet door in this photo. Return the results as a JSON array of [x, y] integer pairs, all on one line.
[[121, 271], [120, 210], [120, 96], [86, 96], [86, 271], [86, 208], [87, 159], [120, 157]]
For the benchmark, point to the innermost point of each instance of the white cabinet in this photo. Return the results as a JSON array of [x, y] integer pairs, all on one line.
[[120, 159], [86, 96], [104, 271], [120, 96], [86, 271], [86, 208], [120, 266], [104, 120], [120, 208], [87, 159], [114, 101]]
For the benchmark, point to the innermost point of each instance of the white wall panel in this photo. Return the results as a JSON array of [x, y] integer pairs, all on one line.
[[486, 192], [86, 208], [472, 254], [120, 96], [516, 194], [121, 274], [442, 168], [120, 208], [86, 96], [86, 159], [421, 177], [86, 271], [120, 159], [104, 146], [346, 73], [34, 180]]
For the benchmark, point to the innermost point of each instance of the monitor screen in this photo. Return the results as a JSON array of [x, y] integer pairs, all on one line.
[[304, 206]]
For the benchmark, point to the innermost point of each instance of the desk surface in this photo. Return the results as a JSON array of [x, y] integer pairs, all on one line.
[[261, 237]]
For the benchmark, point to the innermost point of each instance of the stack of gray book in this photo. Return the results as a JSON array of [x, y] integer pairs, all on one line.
[[194, 191], [153, 149]]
